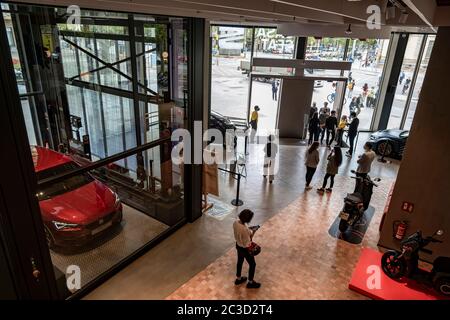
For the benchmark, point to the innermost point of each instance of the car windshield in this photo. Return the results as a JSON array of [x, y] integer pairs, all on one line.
[[64, 186]]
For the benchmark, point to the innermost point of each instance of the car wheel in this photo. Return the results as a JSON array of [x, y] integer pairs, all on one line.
[[385, 148], [442, 285]]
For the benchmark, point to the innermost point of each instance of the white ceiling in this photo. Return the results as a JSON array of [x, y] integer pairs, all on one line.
[[325, 16]]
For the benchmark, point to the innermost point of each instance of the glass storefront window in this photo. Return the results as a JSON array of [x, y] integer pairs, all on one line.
[[230, 64], [364, 80], [80, 104], [405, 80], [419, 81], [270, 44], [325, 49]]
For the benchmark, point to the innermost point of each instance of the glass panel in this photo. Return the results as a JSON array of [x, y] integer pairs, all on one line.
[[78, 108], [97, 219], [325, 49], [404, 80], [270, 44], [368, 59], [265, 94], [419, 81], [231, 52]]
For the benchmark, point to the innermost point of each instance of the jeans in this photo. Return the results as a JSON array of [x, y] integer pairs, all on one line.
[[325, 180], [331, 133], [313, 135], [322, 134], [309, 174], [274, 95], [351, 138], [242, 254]]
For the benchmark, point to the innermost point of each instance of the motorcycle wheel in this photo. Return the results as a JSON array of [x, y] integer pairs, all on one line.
[[392, 266], [442, 285], [343, 225]]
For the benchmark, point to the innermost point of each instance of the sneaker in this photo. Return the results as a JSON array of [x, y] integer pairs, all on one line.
[[321, 190], [329, 190], [240, 281], [253, 285]]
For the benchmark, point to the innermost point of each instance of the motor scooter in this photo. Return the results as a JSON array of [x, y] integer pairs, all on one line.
[[357, 202], [405, 263]]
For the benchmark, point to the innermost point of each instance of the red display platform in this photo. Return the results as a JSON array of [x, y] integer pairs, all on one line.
[[369, 265]]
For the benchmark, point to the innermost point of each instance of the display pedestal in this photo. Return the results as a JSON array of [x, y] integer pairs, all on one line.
[[389, 289]]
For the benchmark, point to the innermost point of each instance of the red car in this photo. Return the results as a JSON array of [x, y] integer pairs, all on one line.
[[76, 210]]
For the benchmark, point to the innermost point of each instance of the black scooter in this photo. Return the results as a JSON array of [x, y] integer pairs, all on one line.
[[405, 263], [357, 202]]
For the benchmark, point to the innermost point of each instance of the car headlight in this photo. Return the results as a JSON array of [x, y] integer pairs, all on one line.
[[64, 226], [372, 137], [117, 201]]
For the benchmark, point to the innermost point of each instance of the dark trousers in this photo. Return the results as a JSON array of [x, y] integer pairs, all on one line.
[[322, 134], [274, 95], [340, 137], [325, 180], [313, 135], [242, 254], [309, 174], [351, 138], [330, 136]]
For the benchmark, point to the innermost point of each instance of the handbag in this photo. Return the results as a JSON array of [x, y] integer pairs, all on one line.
[[254, 249]]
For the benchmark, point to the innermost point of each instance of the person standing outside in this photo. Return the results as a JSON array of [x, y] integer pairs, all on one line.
[[313, 128], [334, 161], [270, 153], [325, 108], [243, 236], [254, 122], [311, 162], [365, 160], [331, 125], [352, 132], [402, 76], [274, 90], [350, 87]]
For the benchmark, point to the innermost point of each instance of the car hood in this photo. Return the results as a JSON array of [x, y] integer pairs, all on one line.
[[83, 205], [392, 133]]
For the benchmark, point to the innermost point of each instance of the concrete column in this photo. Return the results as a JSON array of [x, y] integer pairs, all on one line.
[[424, 175]]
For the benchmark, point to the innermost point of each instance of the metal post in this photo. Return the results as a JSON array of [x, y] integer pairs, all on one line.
[[245, 146], [237, 202], [384, 153]]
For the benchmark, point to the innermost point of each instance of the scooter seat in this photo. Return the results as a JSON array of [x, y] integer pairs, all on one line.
[[441, 264], [353, 197]]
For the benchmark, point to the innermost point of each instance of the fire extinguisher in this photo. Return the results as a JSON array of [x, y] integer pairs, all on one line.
[[400, 229]]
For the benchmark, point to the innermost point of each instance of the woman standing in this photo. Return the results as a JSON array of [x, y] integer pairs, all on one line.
[[340, 130], [311, 161], [313, 128], [270, 153], [334, 161], [243, 236]]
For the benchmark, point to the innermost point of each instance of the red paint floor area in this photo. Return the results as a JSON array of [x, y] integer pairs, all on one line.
[[366, 281]]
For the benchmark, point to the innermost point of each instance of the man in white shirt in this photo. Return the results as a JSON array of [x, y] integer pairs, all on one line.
[[365, 160]]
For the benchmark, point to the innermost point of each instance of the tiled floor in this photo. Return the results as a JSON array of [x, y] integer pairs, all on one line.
[[299, 259], [179, 258]]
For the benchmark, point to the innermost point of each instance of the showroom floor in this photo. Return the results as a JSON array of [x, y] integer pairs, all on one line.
[[186, 253]]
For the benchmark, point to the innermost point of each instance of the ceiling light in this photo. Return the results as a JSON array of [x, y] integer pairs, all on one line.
[[349, 29], [403, 17], [390, 11]]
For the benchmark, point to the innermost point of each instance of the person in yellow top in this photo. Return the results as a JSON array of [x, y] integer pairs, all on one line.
[[340, 130], [254, 123]]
